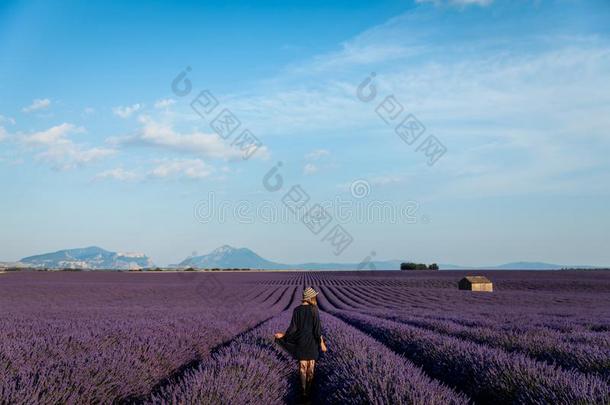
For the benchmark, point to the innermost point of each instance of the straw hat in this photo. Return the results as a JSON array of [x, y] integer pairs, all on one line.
[[309, 293]]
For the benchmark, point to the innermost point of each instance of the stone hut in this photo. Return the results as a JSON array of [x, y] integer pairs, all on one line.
[[475, 283]]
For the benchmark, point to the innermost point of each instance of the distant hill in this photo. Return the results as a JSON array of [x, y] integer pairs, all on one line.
[[519, 266], [17, 265], [373, 265], [90, 258], [529, 266], [226, 257]]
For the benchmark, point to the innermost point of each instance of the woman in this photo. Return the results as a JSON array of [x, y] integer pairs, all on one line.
[[303, 339]]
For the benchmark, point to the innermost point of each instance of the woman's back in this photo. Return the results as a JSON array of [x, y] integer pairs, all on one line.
[[304, 332]]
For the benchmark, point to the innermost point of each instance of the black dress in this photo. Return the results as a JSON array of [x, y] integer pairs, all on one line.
[[302, 338]]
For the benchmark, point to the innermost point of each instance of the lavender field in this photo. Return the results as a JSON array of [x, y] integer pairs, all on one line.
[[393, 337]]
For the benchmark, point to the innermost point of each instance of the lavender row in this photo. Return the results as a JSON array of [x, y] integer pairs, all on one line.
[[359, 370], [566, 329], [50, 361], [565, 312], [486, 374], [252, 369], [549, 348]]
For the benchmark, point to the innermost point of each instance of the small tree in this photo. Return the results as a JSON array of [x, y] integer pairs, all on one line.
[[417, 266], [408, 266]]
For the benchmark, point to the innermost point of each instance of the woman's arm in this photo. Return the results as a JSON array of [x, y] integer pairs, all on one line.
[[317, 331]]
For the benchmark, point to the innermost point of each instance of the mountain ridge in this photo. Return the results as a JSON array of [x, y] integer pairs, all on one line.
[[90, 258], [229, 257]]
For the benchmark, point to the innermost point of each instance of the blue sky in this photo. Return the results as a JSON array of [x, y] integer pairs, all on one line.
[[96, 148]]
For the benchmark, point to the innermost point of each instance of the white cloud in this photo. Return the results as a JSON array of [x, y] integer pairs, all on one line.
[[37, 104], [166, 169], [126, 112], [163, 135], [89, 111], [310, 168], [3, 133], [8, 120], [291, 109], [194, 169], [53, 136], [70, 156], [164, 103], [385, 180], [118, 174], [353, 54], [314, 155], [60, 151], [375, 181], [317, 154]]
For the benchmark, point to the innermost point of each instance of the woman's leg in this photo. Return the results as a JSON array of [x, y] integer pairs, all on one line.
[[311, 364], [303, 366]]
